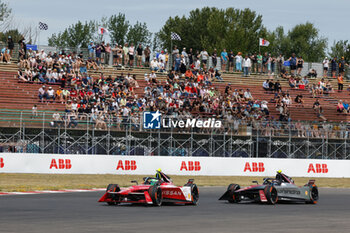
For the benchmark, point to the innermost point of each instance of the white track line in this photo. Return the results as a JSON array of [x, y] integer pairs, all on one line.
[[51, 191]]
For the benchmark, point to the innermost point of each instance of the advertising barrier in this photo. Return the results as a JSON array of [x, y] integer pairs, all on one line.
[[146, 165]]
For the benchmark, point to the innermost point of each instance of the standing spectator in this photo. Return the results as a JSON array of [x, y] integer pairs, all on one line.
[[259, 60], [231, 59], [190, 57], [103, 52], [34, 111], [204, 56], [254, 60], [115, 51], [139, 51], [10, 45], [91, 49], [325, 67], [340, 83], [147, 53], [224, 60], [341, 66], [334, 66], [300, 65], [98, 51], [239, 59], [246, 66], [265, 59], [131, 55], [174, 54], [108, 53], [280, 61], [293, 64], [214, 58], [184, 54], [126, 54]]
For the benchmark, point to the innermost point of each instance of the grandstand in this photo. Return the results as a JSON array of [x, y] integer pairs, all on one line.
[[34, 134]]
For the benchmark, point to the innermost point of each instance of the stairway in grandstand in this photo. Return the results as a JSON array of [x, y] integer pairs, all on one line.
[[22, 96]]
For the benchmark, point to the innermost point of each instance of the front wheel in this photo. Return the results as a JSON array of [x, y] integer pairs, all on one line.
[[113, 188], [194, 194], [155, 193], [234, 197]]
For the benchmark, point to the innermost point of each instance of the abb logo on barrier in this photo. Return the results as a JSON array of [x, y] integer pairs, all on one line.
[[2, 164], [254, 167], [190, 166], [62, 164], [127, 165], [317, 168]]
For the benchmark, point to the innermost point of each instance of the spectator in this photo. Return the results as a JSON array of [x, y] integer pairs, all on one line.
[[108, 52], [42, 94], [293, 64], [139, 52], [147, 53], [246, 66], [91, 49], [34, 111], [325, 64], [300, 65], [334, 66], [224, 60], [126, 54], [51, 94], [10, 45], [204, 57], [239, 59], [131, 52], [340, 83]]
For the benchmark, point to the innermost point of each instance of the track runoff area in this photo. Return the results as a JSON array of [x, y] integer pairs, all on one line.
[[80, 212]]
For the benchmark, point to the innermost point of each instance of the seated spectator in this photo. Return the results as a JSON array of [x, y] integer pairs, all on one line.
[[284, 73], [21, 76], [278, 87], [51, 94], [266, 85], [248, 96], [154, 65], [292, 82], [218, 75], [299, 100], [312, 73], [346, 107], [305, 81], [340, 107], [57, 121], [42, 94]]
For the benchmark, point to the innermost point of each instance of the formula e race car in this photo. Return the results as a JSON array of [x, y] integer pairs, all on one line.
[[281, 189], [153, 191]]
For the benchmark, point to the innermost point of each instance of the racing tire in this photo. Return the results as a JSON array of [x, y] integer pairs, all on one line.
[[194, 194], [113, 188], [271, 194], [313, 194], [155, 193], [234, 197]]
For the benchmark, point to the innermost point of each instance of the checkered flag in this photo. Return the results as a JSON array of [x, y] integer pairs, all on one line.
[[175, 36], [43, 26]]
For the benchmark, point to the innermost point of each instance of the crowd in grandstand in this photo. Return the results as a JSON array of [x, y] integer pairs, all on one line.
[[187, 92]]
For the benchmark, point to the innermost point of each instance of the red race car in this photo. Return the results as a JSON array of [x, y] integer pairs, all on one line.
[[153, 191]]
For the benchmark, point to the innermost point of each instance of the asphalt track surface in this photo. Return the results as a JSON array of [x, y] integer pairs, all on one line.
[[80, 212]]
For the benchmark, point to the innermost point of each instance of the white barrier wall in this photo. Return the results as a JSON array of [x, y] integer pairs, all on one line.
[[145, 165]]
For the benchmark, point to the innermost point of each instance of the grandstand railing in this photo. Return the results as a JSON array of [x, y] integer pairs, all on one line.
[[23, 131]]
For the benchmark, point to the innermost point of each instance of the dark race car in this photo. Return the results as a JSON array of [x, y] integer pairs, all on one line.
[[273, 190], [153, 191]]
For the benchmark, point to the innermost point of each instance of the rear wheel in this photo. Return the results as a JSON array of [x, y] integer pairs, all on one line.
[[113, 188], [271, 194], [234, 197], [155, 193], [313, 194]]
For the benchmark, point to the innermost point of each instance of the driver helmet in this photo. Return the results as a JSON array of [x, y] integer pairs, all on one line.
[[159, 170], [279, 171]]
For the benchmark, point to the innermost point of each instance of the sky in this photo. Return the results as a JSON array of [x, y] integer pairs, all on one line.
[[330, 17]]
